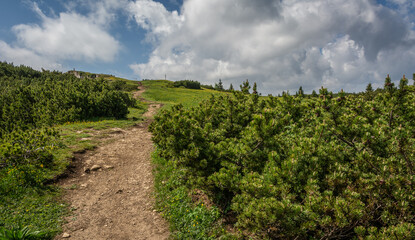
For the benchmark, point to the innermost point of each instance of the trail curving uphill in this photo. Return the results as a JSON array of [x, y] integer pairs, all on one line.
[[111, 190]]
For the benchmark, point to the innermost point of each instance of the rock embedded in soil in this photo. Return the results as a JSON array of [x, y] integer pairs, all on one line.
[[95, 168], [66, 235], [108, 167]]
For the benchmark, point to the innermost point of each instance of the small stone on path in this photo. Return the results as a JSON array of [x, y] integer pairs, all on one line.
[[66, 235], [108, 167], [95, 168]]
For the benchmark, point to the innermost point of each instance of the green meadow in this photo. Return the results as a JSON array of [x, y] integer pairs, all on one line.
[[161, 91]]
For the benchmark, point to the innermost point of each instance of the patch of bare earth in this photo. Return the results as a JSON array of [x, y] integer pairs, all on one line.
[[110, 191]]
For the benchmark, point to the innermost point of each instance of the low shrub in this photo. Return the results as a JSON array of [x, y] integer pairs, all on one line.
[[187, 84], [293, 167]]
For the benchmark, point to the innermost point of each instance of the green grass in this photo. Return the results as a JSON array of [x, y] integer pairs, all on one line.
[[188, 220], [35, 208], [22, 233], [159, 91], [40, 208]]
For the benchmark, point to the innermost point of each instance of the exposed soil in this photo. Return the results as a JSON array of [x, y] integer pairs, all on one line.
[[110, 189], [137, 94]]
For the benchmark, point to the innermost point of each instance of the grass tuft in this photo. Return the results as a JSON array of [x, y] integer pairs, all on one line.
[[188, 220]]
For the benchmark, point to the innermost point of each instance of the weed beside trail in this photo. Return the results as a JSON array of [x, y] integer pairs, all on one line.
[[188, 220]]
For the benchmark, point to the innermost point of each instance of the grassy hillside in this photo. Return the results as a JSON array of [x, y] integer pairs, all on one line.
[[161, 91]]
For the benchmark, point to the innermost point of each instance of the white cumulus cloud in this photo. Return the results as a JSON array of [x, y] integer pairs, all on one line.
[[68, 36], [26, 57], [279, 44], [154, 17]]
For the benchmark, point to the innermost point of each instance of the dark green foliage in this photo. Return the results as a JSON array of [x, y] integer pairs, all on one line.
[[245, 87], [369, 92], [123, 85], [389, 85], [207, 87], [330, 167], [254, 89], [300, 91], [187, 84], [219, 86], [369, 88], [231, 88], [255, 95], [403, 83], [32, 99]]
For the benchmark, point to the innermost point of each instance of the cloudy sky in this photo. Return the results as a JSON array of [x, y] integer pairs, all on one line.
[[280, 44]]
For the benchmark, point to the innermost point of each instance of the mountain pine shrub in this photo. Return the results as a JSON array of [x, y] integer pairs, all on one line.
[[291, 167]]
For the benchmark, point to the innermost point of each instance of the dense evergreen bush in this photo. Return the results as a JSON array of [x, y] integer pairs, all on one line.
[[187, 84], [32, 99], [207, 87], [292, 167], [31, 103]]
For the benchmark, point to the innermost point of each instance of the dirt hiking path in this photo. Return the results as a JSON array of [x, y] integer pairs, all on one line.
[[110, 191]]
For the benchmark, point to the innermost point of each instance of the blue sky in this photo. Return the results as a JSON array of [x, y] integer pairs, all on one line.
[[281, 45], [131, 37]]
